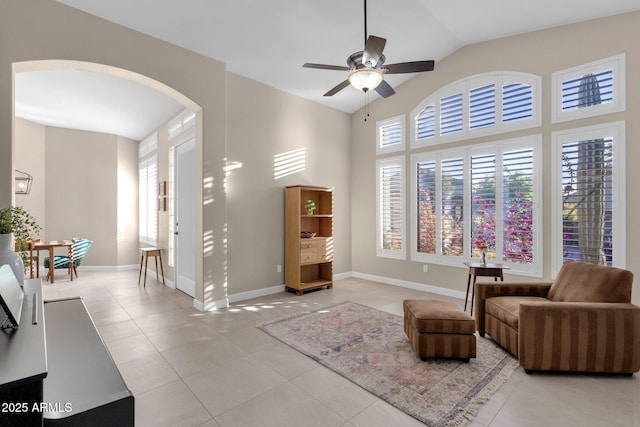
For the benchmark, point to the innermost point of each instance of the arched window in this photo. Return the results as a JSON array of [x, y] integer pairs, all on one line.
[[480, 105]]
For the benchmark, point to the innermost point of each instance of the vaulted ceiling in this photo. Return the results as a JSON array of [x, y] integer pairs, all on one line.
[[268, 41]]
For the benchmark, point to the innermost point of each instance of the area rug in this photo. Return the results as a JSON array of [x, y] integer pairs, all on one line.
[[369, 347]]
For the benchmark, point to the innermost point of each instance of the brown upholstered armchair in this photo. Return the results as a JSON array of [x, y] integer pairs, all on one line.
[[583, 321]]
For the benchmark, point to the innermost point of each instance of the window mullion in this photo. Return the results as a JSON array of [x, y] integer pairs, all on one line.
[[499, 196], [467, 206], [439, 207]]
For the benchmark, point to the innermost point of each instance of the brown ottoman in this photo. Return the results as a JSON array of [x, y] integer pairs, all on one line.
[[439, 329]]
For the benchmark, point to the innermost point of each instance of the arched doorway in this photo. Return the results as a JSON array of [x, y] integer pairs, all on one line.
[[115, 235]]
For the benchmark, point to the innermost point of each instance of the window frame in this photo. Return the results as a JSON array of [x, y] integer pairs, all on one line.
[[617, 63], [465, 86], [400, 146], [533, 142], [615, 130], [398, 161]]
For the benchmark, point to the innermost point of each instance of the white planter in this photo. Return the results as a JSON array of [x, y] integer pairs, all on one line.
[[10, 257]]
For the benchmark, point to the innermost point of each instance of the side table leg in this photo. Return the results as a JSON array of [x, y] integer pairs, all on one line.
[[140, 274], [467, 295], [473, 293], [162, 269]]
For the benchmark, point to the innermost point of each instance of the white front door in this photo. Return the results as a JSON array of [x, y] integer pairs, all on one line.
[[185, 227]]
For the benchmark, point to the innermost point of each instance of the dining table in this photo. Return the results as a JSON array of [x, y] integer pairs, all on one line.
[[50, 246]]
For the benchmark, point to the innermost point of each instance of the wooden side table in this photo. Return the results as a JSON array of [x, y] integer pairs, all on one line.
[[478, 269], [146, 253]]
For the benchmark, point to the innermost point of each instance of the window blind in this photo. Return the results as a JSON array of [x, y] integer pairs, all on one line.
[[390, 135], [391, 207], [517, 102], [184, 121], [451, 114], [148, 145], [587, 201], [452, 214], [148, 200], [427, 202], [482, 106], [483, 204], [587, 90], [517, 198], [426, 123]]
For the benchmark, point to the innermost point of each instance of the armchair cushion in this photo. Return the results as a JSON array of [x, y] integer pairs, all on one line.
[[506, 309], [584, 282]]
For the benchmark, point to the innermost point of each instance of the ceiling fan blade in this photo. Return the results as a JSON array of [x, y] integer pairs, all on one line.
[[384, 89], [409, 67], [338, 88], [326, 67], [373, 50]]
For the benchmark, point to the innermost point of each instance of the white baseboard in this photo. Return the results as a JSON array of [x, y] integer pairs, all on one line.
[[242, 296], [411, 285]]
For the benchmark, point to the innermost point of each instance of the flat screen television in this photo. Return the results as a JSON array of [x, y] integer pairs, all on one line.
[[11, 297]]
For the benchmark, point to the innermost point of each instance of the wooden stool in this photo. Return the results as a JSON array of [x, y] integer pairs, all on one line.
[[439, 329], [146, 253]]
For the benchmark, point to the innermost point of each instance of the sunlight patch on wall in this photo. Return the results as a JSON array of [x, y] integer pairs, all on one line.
[[288, 163]]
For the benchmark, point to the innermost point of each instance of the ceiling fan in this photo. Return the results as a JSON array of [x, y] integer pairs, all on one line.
[[367, 69]]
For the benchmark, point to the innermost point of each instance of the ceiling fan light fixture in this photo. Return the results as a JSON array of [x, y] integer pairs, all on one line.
[[365, 79]]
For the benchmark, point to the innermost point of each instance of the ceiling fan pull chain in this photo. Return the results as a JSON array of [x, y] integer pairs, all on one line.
[[366, 105]]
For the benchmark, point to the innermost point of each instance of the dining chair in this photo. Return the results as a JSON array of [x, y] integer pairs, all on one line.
[[78, 250]]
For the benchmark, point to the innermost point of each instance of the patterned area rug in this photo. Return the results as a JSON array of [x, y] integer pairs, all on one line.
[[369, 347]]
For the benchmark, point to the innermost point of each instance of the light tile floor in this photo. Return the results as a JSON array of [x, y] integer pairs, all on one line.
[[188, 368]]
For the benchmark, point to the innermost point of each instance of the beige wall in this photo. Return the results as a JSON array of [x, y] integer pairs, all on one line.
[[262, 123], [539, 53], [34, 30], [30, 158], [81, 190]]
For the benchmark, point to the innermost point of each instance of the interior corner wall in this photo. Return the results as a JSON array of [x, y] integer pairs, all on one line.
[[81, 195], [36, 30], [263, 123], [542, 53], [126, 237]]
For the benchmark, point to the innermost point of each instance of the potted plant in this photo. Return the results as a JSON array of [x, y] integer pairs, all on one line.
[[310, 206], [16, 223]]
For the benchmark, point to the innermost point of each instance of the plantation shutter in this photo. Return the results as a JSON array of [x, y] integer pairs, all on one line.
[[587, 201], [391, 206], [518, 230], [517, 102], [483, 203], [148, 200], [390, 135], [148, 145], [426, 123], [482, 107], [587, 90], [184, 121], [452, 207], [427, 202], [451, 114]]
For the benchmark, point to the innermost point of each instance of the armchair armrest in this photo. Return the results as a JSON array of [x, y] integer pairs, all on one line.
[[579, 336], [486, 290]]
